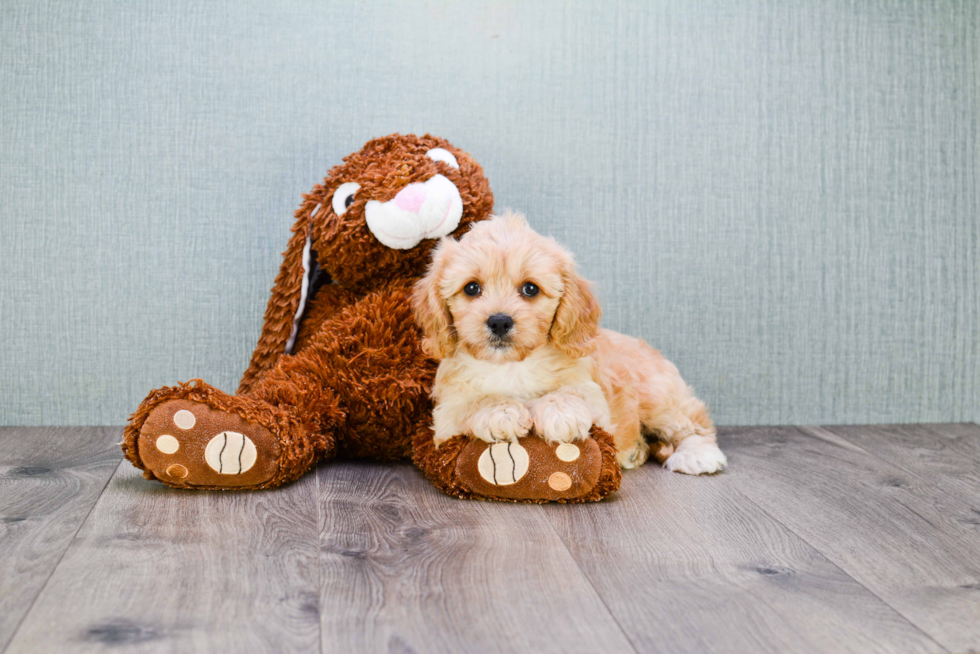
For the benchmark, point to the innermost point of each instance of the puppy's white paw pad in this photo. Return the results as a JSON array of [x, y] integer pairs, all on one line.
[[561, 420], [699, 460], [501, 423]]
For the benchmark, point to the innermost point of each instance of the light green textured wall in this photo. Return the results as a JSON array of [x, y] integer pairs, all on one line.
[[782, 196]]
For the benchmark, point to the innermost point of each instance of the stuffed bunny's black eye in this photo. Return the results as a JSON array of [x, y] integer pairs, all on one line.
[[529, 289], [472, 289], [343, 197]]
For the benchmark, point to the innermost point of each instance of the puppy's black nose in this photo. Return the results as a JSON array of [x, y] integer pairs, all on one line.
[[500, 324]]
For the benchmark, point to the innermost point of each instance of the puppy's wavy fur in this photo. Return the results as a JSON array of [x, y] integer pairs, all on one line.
[[554, 370]]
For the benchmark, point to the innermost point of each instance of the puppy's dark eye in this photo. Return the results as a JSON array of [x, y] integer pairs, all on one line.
[[472, 289], [529, 289], [349, 201]]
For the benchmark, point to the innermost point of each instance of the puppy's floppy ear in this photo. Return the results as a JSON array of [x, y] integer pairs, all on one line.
[[430, 309], [576, 323]]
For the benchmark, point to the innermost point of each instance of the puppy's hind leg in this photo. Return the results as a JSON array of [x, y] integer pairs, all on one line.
[[632, 449], [684, 427]]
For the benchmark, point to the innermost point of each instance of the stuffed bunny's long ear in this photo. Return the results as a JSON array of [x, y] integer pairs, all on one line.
[[286, 303]]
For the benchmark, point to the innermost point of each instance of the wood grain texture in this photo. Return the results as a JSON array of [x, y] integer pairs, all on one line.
[[849, 539], [690, 565], [405, 568], [162, 570], [49, 480], [945, 456], [891, 530]]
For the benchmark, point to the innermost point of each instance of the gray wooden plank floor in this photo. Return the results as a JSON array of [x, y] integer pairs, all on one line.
[[893, 532], [835, 539], [49, 481], [406, 569], [706, 570], [161, 570]]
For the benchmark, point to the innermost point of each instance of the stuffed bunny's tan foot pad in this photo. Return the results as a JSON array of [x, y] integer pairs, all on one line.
[[187, 443]]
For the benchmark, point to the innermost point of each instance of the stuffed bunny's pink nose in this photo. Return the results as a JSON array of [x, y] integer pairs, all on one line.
[[411, 197]]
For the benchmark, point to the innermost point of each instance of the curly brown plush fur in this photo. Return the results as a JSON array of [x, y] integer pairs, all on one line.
[[355, 261], [356, 382]]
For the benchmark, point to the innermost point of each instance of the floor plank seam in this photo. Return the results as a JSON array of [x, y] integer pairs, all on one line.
[[942, 649], [924, 480], [54, 568], [932, 428], [319, 561], [588, 580]]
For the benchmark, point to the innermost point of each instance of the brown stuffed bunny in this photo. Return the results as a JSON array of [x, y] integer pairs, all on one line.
[[339, 368]]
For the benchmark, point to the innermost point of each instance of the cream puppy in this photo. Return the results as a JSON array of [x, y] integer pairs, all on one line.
[[517, 334]]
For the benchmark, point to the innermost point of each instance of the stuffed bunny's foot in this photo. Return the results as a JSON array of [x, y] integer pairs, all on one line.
[[529, 469], [187, 443]]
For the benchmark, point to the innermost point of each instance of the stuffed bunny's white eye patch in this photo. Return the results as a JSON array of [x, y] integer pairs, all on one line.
[[441, 154], [343, 197]]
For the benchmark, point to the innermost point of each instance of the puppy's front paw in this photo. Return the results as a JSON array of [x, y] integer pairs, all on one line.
[[501, 422], [695, 456], [561, 417]]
